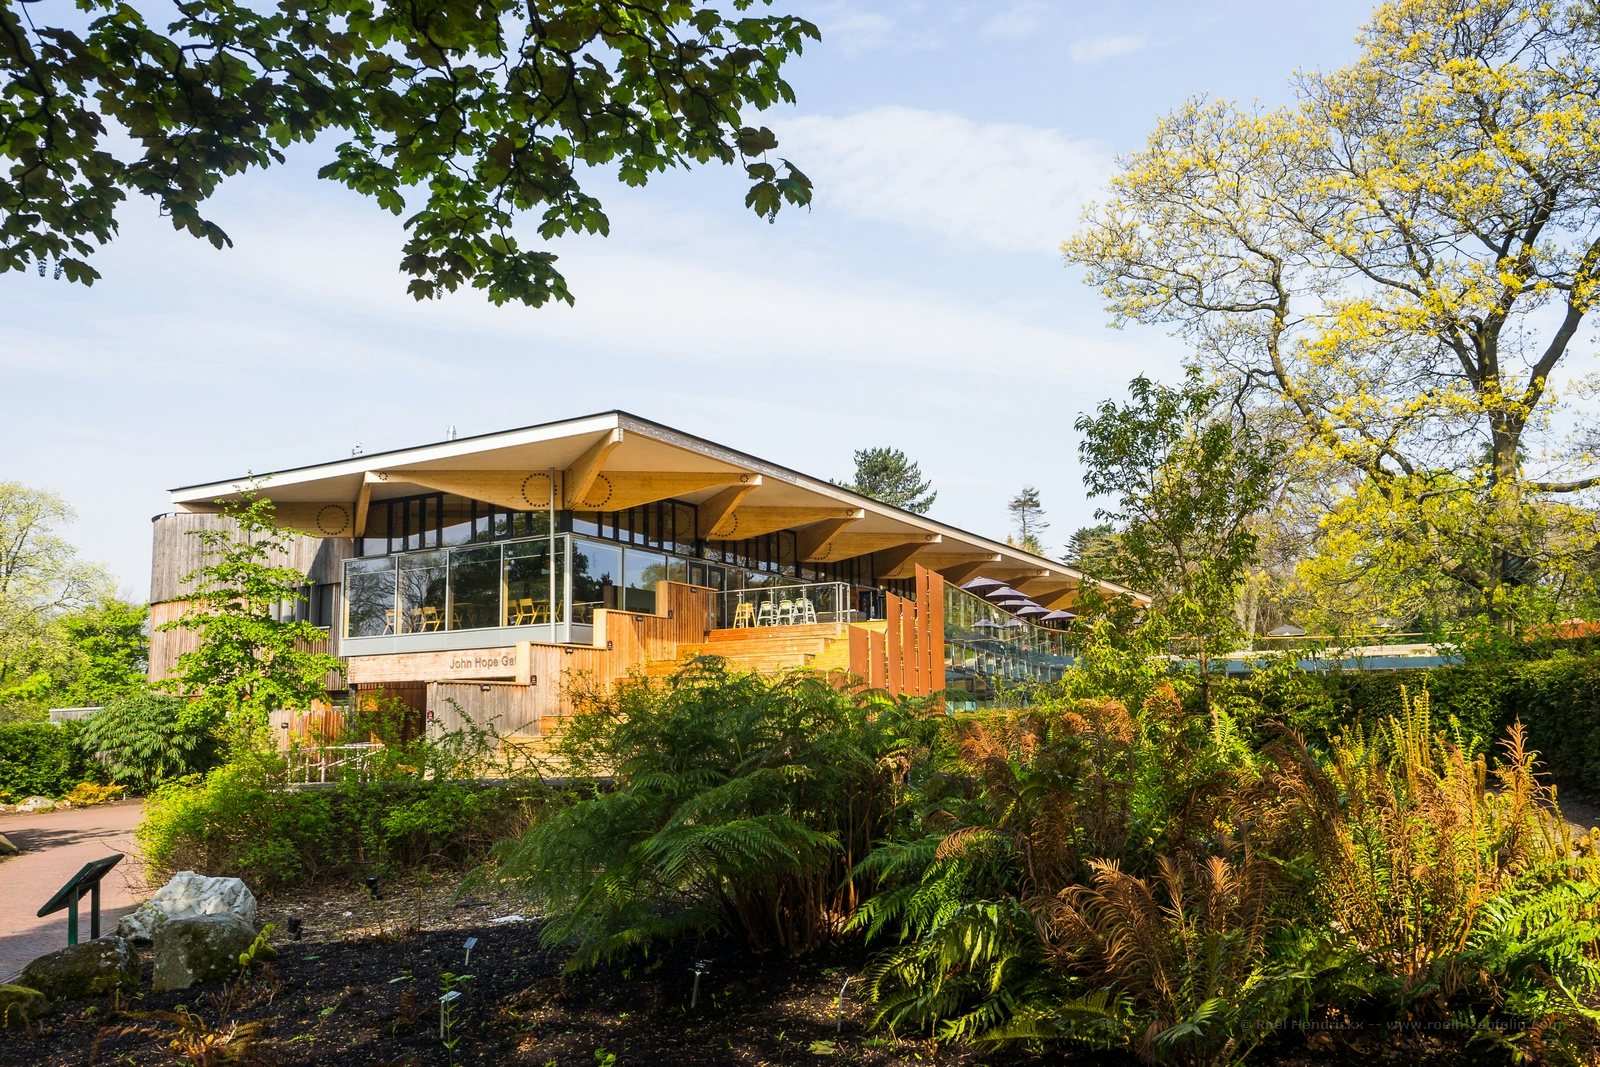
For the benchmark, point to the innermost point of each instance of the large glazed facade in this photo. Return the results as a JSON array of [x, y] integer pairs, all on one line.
[[490, 572]]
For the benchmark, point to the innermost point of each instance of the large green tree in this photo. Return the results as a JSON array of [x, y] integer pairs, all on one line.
[[1403, 262], [41, 580], [889, 475], [460, 116], [1186, 482]]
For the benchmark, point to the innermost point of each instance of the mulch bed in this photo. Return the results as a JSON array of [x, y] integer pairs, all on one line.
[[362, 987]]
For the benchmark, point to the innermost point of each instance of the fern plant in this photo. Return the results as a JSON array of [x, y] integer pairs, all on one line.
[[736, 804]]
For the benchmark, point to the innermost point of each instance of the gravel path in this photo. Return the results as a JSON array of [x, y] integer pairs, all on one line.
[[54, 846]]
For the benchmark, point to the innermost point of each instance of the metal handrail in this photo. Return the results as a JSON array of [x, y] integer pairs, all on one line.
[[763, 606]]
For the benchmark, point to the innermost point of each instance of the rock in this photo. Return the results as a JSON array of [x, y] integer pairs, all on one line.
[[6, 846], [20, 1004], [187, 896], [200, 949], [35, 804], [87, 969]]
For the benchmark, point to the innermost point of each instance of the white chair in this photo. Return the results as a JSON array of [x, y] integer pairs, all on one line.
[[805, 612], [786, 613], [767, 615]]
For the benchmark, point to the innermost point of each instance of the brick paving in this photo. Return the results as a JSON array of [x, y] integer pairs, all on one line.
[[54, 845]]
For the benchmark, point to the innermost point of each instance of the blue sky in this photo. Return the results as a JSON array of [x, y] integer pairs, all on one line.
[[920, 303]]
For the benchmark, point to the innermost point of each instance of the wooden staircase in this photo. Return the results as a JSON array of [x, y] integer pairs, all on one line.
[[767, 649]]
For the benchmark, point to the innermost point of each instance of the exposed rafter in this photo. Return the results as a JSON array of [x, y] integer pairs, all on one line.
[[616, 490], [514, 490], [848, 545], [964, 568], [755, 521], [901, 561], [718, 509], [816, 537], [364, 502], [580, 477]]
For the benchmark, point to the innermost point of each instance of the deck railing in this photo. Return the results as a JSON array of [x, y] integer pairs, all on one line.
[[775, 606]]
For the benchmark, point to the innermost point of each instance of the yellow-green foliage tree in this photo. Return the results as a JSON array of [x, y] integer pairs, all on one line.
[[1403, 261]]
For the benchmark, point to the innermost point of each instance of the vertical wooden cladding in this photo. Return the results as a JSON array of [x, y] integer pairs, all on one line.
[[906, 657], [504, 707], [176, 551], [167, 645]]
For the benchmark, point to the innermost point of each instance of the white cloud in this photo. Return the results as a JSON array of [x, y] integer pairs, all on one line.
[[1012, 187], [1016, 21], [1094, 49], [855, 30]]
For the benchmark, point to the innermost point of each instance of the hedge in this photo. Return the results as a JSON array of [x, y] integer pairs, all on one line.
[[42, 759], [1557, 699]]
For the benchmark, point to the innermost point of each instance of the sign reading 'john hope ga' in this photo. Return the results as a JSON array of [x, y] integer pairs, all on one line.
[[465, 663], [486, 660]]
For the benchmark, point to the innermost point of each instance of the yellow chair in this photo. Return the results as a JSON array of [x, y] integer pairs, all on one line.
[[744, 614], [427, 619]]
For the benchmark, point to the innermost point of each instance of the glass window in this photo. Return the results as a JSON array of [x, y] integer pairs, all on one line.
[[596, 577], [643, 571], [474, 587], [424, 578], [683, 533], [457, 517], [527, 577], [586, 522], [369, 586], [678, 570]]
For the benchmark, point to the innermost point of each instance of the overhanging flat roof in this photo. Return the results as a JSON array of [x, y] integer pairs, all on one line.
[[614, 460]]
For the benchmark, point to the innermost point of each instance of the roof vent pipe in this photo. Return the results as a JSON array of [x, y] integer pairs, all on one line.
[[450, 433]]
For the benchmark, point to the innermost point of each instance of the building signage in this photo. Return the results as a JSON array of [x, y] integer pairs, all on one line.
[[510, 663]]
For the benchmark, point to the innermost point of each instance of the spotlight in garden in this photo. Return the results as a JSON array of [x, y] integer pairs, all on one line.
[[372, 887]]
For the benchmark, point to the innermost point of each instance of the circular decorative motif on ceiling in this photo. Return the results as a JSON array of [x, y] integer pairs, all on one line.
[[536, 491], [590, 500], [333, 520]]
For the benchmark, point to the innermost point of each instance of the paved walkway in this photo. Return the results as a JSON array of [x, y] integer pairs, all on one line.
[[54, 845]]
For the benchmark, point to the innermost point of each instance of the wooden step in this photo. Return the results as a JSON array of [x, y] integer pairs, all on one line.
[[740, 633]]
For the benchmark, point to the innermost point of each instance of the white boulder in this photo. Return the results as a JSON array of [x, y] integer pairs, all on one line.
[[35, 805], [187, 896]]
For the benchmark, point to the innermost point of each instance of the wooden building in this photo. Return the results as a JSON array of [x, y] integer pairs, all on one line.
[[495, 573]]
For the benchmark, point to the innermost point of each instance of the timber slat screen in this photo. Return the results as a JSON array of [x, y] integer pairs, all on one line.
[[907, 656]]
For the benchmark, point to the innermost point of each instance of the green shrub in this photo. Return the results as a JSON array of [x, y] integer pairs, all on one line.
[[738, 804], [148, 739], [241, 819], [42, 759]]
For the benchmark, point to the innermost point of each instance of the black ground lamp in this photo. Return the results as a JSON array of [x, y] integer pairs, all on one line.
[[372, 887]]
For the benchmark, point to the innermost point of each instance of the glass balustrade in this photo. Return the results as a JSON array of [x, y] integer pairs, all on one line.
[[467, 587], [803, 604], [991, 653]]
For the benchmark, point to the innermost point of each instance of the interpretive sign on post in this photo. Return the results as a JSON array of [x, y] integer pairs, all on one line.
[[67, 897]]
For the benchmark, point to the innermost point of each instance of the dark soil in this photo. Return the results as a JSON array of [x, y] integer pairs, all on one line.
[[363, 988]]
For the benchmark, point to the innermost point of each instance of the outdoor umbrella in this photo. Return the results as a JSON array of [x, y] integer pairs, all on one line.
[[1001, 593], [978, 585], [1012, 603], [1033, 609], [1288, 630], [985, 624], [1012, 624], [1058, 616]]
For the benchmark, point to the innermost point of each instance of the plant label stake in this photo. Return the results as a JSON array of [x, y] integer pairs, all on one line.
[[471, 944], [700, 968], [444, 1006], [839, 1006]]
